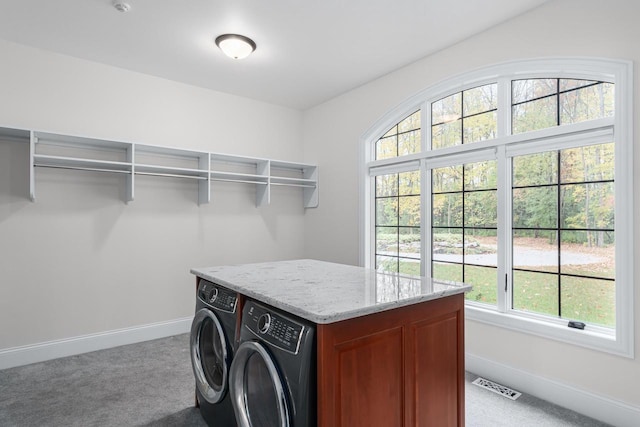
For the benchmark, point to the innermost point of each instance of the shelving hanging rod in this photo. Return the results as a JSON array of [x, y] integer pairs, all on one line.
[[44, 165], [170, 175], [239, 180], [293, 185]]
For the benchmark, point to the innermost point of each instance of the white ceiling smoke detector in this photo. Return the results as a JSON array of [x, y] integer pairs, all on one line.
[[121, 6]]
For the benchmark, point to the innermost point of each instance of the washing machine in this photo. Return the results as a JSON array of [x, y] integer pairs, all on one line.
[[212, 344], [273, 374]]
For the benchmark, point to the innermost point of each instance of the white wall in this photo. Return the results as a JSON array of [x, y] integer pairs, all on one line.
[[332, 134], [79, 260]]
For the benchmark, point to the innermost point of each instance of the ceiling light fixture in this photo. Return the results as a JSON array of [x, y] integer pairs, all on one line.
[[235, 46], [121, 6]]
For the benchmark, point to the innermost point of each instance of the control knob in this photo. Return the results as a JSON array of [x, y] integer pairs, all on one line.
[[213, 295], [264, 322]]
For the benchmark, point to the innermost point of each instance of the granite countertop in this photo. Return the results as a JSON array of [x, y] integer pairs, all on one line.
[[324, 292]]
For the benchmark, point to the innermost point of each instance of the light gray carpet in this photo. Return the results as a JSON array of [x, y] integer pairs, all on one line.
[[151, 384]]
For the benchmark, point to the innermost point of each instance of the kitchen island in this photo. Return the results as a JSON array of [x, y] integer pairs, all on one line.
[[390, 348]]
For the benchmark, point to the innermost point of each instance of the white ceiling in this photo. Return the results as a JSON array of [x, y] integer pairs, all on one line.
[[308, 51]]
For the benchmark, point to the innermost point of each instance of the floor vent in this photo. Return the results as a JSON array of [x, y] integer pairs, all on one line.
[[497, 388]]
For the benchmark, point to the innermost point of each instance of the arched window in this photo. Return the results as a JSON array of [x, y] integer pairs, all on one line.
[[518, 182]]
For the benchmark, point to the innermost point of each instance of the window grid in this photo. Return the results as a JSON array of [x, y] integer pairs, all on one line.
[[397, 227], [557, 94], [395, 133], [558, 185], [462, 116], [463, 228]]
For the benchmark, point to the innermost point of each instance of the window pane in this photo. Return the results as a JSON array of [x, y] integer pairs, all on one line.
[[387, 211], [447, 179], [535, 169], [386, 264], [387, 185], [387, 241], [481, 127], [446, 135], [387, 147], [591, 163], [524, 90], [446, 271], [409, 143], [447, 246], [535, 207], [535, 250], [588, 103], [480, 99], [410, 123], [588, 253], [409, 183], [410, 211], [567, 84], [534, 115], [589, 300], [392, 131], [447, 109], [481, 247], [484, 281], [535, 292], [588, 205], [410, 266], [410, 242], [447, 210], [480, 209], [480, 175]]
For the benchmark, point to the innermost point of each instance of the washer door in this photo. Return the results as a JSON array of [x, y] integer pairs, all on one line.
[[210, 356], [257, 391]]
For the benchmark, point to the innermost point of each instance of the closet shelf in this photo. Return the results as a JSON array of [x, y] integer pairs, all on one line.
[[71, 152]]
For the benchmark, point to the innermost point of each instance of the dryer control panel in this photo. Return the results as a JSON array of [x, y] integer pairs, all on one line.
[[276, 329], [217, 297]]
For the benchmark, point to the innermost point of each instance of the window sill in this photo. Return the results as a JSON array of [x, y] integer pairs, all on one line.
[[593, 339]]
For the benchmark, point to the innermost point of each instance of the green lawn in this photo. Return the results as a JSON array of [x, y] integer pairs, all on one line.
[[587, 300]]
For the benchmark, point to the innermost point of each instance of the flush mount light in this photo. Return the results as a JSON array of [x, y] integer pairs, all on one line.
[[235, 46], [121, 6]]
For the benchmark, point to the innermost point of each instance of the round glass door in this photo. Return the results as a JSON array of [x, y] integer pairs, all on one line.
[[209, 355], [257, 391]]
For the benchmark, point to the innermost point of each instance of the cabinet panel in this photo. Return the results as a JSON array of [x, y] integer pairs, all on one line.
[[370, 388], [435, 371]]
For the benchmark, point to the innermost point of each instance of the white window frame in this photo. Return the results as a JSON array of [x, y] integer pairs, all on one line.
[[503, 148]]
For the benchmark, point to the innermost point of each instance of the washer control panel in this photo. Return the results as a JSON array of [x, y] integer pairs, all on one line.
[[217, 297], [276, 329]]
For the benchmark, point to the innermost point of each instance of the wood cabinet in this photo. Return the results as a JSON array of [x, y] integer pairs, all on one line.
[[402, 367]]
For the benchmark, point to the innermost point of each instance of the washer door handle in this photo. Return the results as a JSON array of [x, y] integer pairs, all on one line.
[[237, 381]]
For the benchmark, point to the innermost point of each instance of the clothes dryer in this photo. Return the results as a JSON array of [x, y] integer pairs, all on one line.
[[273, 374], [212, 344]]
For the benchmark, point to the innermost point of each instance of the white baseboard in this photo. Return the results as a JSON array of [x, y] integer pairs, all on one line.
[[602, 408], [18, 356]]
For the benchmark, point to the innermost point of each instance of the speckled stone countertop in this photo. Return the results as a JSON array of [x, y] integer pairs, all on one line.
[[324, 292]]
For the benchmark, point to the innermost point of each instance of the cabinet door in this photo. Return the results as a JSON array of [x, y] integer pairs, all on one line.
[[434, 373], [365, 379]]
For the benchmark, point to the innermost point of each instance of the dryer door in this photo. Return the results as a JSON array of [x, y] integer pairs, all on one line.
[[210, 355], [257, 391]]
